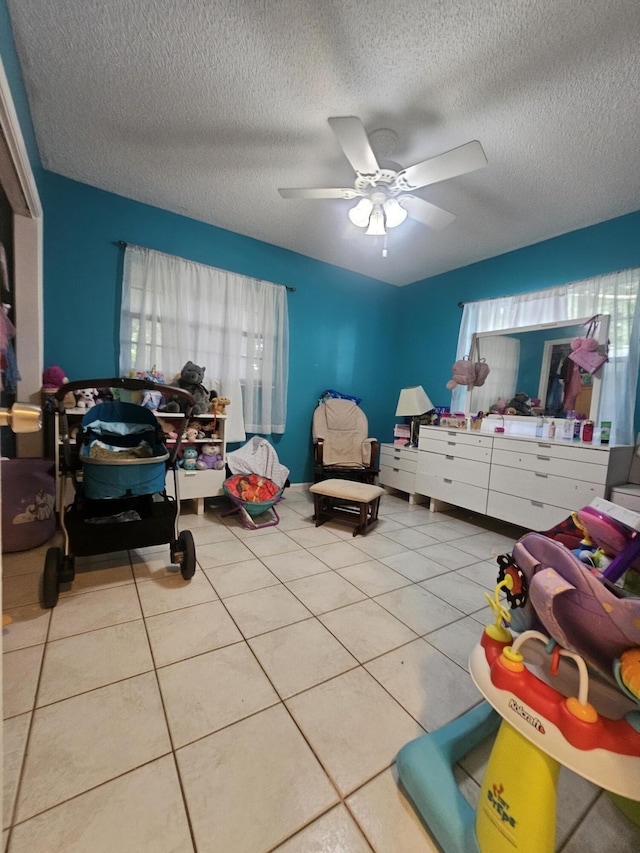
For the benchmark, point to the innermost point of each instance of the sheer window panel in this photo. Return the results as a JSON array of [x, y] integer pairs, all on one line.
[[174, 310]]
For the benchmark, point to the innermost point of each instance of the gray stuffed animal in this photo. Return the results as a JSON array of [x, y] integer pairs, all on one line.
[[191, 377]]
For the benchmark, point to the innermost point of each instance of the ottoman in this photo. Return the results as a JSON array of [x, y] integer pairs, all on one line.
[[347, 500]]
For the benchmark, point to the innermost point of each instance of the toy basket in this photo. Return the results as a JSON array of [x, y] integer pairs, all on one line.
[[252, 495]]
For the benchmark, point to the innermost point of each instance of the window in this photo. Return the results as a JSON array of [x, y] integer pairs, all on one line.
[[174, 310]]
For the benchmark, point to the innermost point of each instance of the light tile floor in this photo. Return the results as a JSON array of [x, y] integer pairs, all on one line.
[[260, 706]]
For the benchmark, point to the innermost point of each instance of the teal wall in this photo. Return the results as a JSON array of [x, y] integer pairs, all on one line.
[[342, 325]]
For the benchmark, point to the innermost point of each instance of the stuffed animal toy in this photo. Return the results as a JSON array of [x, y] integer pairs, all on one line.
[[191, 434], [197, 427], [189, 457], [153, 400], [86, 398], [518, 405], [168, 429], [498, 407], [209, 429], [219, 405], [209, 458], [191, 377]]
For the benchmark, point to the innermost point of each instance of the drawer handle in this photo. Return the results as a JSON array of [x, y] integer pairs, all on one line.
[[395, 470], [538, 474], [544, 458], [451, 433], [543, 445], [448, 481], [449, 457], [537, 503], [451, 443]]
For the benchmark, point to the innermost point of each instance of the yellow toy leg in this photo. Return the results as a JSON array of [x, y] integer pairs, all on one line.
[[517, 805]]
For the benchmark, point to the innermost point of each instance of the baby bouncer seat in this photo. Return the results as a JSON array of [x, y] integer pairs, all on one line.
[[257, 484]]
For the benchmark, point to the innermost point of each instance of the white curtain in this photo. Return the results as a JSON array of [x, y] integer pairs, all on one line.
[[502, 354], [174, 311], [615, 294]]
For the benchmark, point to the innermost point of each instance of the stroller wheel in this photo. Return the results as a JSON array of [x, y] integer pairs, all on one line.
[[50, 578], [183, 551]]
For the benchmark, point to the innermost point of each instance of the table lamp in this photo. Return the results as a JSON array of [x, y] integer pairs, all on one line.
[[412, 402]]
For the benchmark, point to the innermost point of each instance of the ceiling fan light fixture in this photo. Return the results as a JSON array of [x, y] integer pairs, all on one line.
[[360, 214], [395, 213], [376, 222]]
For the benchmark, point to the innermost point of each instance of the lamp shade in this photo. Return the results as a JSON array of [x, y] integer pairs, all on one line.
[[413, 401]]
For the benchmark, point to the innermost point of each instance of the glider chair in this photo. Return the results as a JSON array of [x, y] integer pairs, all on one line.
[[341, 443]]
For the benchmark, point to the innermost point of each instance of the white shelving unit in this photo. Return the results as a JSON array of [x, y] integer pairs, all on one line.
[[197, 485]]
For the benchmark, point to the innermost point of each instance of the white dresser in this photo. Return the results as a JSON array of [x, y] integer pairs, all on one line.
[[531, 482], [398, 466]]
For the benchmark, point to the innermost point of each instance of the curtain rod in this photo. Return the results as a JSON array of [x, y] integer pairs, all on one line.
[[550, 287], [124, 245]]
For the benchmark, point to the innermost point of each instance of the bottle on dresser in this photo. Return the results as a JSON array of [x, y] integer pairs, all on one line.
[[569, 423], [552, 429]]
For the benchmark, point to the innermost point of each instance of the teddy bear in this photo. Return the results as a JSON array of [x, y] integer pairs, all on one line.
[[189, 457], [518, 405], [191, 377], [86, 398], [219, 405], [209, 458], [197, 427], [191, 434]]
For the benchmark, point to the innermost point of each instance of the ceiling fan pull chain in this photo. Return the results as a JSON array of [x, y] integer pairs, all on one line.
[[384, 247]]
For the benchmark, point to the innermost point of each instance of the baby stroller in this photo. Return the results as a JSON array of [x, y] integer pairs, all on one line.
[[118, 467], [257, 483]]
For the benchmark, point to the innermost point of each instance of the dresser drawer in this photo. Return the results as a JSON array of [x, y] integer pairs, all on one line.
[[404, 481], [454, 468], [526, 512], [398, 459], [453, 492], [544, 463], [563, 491], [458, 437], [576, 452]]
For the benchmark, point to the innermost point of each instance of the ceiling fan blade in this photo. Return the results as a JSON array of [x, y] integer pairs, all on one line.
[[458, 161], [354, 142], [318, 193], [427, 213]]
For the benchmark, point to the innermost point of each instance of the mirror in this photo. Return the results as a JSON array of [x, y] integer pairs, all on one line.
[[533, 360]]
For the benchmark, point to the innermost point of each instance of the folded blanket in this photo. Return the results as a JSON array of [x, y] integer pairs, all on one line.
[[100, 450]]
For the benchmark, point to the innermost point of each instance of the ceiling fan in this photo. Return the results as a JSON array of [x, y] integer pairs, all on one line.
[[385, 193]]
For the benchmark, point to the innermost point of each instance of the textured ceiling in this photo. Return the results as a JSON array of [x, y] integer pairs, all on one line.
[[207, 107]]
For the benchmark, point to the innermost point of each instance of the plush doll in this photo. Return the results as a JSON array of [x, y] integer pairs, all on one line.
[[168, 430], [209, 458], [153, 400], [210, 429], [191, 377], [191, 434], [189, 456], [86, 398], [219, 405], [498, 407], [197, 427]]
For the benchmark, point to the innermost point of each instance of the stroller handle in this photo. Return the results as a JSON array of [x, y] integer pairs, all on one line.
[[121, 382], [129, 385]]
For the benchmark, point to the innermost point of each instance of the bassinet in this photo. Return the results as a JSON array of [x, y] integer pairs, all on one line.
[[122, 453]]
